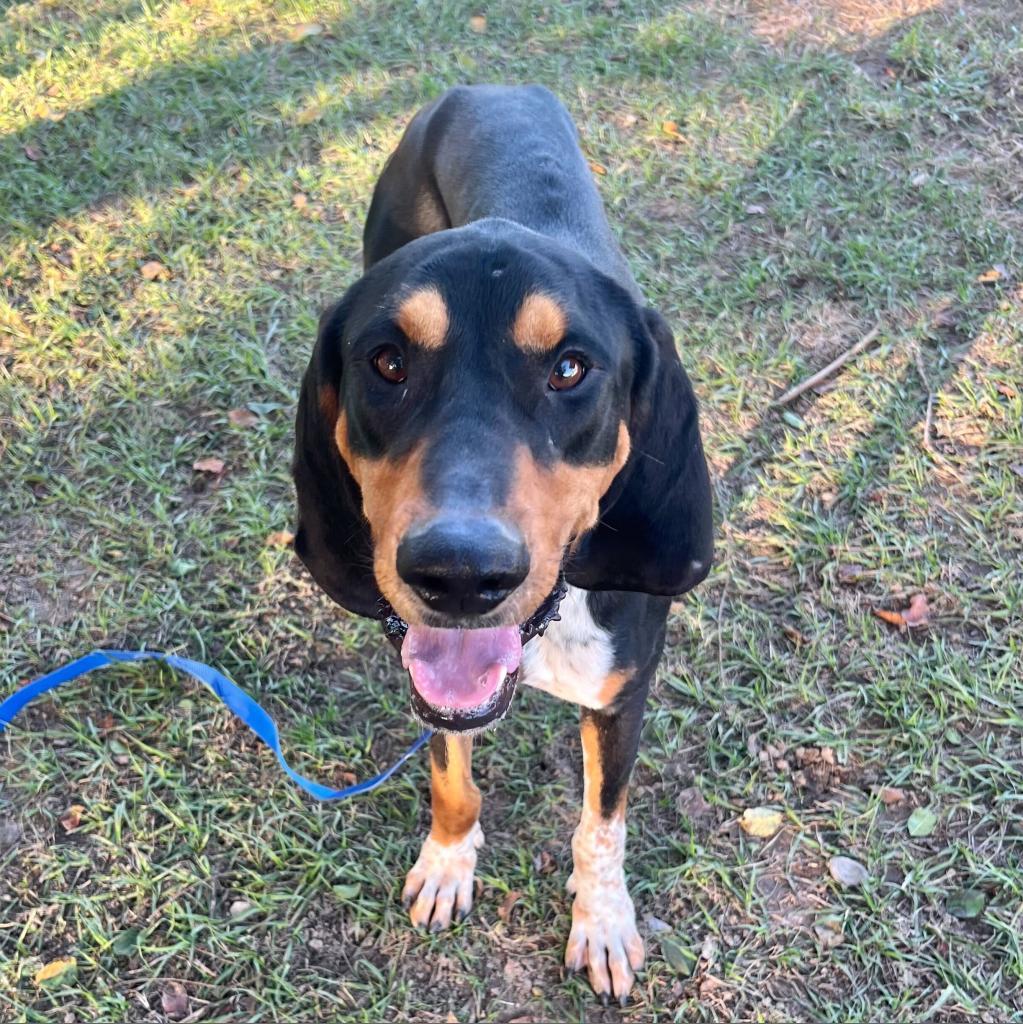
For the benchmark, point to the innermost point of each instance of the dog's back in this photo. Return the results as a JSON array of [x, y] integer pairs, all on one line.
[[510, 152]]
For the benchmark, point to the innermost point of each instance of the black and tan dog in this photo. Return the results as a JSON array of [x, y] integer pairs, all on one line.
[[490, 410]]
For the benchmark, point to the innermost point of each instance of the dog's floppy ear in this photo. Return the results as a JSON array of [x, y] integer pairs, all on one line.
[[332, 537], [655, 532]]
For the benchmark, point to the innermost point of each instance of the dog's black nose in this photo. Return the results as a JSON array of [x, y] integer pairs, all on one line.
[[463, 566]]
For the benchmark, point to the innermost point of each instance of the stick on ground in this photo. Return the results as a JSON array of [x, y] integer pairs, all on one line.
[[828, 370]]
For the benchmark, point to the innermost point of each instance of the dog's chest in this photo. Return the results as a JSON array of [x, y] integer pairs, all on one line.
[[574, 659]]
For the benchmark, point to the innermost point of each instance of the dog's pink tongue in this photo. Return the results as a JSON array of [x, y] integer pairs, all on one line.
[[460, 669]]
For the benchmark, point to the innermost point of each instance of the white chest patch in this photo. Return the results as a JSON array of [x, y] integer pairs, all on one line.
[[573, 659]]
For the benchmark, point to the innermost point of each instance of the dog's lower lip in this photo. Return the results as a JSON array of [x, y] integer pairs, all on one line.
[[462, 720]]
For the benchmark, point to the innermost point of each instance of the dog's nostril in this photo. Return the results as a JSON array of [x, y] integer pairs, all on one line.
[[463, 566]]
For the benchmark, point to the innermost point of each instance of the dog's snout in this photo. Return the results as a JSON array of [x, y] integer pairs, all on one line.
[[463, 566]]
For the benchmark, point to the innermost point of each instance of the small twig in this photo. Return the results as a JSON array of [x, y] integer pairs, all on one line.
[[828, 370], [929, 419]]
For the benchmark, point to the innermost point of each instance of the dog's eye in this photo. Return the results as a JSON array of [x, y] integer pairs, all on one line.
[[567, 373], [390, 364]]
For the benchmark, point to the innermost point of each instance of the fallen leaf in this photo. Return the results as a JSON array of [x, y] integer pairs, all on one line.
[[174, 1000], [544, 862], [125, 943], [655, 926], [310, 113], [347, 892], [891, 795], [280, 539], [760, 822], [505, 909], [671, 129], [966, 904], [921, 823], [917, 614], [829, 932], [210, 464], [795, 636], [32, 152], [154, 270], [54, 969], [305, 30], [892, 618], [478, 23], [847, 872], [691, 802], [243, 417], [995, 273], [680, 958], [73, 818], [597, 168]]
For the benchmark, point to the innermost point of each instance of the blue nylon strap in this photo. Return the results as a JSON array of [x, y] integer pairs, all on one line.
[[236, 699]]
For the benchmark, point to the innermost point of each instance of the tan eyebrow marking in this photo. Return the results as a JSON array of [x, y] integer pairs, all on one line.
[[423, 317], [540, 323]]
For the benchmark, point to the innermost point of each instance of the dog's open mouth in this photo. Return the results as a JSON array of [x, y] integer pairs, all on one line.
[[462, 679]]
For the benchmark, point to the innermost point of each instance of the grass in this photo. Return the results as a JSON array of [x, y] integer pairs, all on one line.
[[832, 166]]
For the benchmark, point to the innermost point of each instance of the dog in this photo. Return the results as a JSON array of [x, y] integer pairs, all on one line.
[[495, 430]]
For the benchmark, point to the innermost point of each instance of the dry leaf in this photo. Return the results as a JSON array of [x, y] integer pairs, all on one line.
[[211, 464], [305, 30], [995, 273], [829, 933], [153, 270], [847, 872], [73, 818], [478, 23], [174, 1000], [597, 168], [760, 822], [892, 618], [280, 539], [917, 614], [54, 969], [544, 863], [243, 417], [311, 113], [671, 129], [505, 909], [32, 152], [891, 795]]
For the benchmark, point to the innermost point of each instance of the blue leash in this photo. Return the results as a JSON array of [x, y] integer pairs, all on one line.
[[236, 699]]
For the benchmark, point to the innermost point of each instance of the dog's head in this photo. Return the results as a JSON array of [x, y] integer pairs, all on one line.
[[483, 410]]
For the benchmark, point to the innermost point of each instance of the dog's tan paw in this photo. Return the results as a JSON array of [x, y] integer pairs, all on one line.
[[604, 939], [440, 882]]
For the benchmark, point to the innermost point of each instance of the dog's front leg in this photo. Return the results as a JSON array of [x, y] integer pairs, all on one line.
[[441, 881], [604, 939]]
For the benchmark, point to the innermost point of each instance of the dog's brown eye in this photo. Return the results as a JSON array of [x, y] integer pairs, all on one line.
[[567, 373], [390, 364]]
